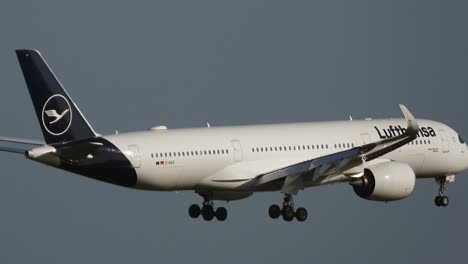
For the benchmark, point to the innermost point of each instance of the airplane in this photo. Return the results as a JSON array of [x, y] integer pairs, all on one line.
[[380, 158]]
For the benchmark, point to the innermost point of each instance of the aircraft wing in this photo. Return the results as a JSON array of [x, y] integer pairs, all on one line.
[[340, 162]]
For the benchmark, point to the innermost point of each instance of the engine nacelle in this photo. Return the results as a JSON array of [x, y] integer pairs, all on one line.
[[388, 181]]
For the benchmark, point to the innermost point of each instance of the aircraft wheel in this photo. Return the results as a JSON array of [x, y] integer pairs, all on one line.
[[288, 213], [207, 212], [274, 211], [301, 214], [444, 201], [221, 214], [437, 201], [194, 211]]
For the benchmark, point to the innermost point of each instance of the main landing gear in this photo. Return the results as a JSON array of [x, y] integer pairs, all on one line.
[[441, 199], [287, 211], [207, 210]]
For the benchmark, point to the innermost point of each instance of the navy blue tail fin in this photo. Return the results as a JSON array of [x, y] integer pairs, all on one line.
[[59, 117]]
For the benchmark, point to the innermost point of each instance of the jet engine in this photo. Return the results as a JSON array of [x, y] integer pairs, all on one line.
[[388, 181]]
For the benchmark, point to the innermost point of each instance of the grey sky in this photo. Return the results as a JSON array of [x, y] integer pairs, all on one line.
[[133, 65]]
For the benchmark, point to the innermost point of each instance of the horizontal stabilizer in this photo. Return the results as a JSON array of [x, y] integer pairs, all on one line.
[[22, 141], [12, 150]]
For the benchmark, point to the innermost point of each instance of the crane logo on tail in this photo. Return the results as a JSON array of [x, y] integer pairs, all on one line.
[[56, 115]]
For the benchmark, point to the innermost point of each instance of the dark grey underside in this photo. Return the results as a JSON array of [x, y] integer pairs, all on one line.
[[108, 163]]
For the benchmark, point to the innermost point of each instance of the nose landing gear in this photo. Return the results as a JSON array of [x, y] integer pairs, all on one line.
[[287, 211], [441, 199]]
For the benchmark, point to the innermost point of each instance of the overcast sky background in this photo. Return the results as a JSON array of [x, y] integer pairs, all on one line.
[[132, 65]]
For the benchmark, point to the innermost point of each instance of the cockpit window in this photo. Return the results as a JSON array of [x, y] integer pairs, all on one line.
[[461, 139]]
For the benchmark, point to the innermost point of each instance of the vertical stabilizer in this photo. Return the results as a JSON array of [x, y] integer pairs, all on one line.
[[59, 117]]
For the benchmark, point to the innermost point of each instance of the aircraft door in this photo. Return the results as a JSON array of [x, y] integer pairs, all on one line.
[[237, 150], [445, 142], [134, 156]]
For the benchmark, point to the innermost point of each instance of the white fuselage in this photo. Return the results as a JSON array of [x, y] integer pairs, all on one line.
[[223, 158]]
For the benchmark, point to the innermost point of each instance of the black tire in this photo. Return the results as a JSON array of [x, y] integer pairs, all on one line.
[[437, 201], [301, 214], [444, 201], [288, 213], [274, 211], [207, 213], [221, 214], [194, 211]]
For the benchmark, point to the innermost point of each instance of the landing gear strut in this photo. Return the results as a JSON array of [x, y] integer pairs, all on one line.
[[207, 210], [287, 211], [441, 199]]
